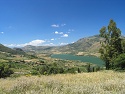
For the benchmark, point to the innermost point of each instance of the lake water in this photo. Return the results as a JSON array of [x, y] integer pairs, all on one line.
[[90, 59]]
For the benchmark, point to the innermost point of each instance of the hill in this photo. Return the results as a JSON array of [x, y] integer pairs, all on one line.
[[6, 50], [80, 47], [89, 44]]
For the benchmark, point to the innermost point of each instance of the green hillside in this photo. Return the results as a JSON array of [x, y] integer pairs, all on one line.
[[6, 50]]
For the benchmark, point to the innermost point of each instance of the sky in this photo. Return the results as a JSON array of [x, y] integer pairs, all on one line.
[[56, 22]]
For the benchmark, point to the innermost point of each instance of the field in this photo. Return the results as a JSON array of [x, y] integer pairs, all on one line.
[[103, 82]]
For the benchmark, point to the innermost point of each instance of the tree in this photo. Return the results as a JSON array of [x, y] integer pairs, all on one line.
[[111, 46], [119, 62], [123, 45], [5, 70], [88, 68], [79, 71]]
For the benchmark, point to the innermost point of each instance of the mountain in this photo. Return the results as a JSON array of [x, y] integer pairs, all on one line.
[[90, 44], [80, 47], [4, 49]]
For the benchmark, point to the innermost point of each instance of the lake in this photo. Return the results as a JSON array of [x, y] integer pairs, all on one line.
[[90, 59]]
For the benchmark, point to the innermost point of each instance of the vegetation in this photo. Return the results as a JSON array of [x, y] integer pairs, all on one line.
[[103, 82], [112, 46], [119, 62], [32, 72], [5, 70], [31, 63], [22, 66], [5, 49]]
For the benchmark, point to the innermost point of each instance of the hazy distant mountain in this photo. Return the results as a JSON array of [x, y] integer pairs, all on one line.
[[89, 44]]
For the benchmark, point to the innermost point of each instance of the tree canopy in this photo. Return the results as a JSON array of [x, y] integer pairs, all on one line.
[[112, 45]]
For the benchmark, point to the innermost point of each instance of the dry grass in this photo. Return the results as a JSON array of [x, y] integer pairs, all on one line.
[[106, 82]]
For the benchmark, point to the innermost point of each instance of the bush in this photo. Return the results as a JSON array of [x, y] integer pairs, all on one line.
[[5, 70], [71, 70], [35, 72], [53, 70]]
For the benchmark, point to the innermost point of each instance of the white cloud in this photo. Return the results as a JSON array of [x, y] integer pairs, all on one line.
[[36, 42], [54, 25], [1, 32], [65, 35], [57, 25], [33, 43], [56, 32], [10, 45], [51, 44], [52, 39]]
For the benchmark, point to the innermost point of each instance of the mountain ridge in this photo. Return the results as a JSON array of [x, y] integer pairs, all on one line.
[[89, 44], [14, 51]]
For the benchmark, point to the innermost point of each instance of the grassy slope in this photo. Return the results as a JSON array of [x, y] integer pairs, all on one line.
[[106, 82]]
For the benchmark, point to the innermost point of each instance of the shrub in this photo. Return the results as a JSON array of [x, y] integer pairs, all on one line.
[[35, 72], [71, 70], [5, 70]]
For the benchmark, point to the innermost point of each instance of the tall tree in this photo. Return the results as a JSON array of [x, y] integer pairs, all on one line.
[[111, 46]]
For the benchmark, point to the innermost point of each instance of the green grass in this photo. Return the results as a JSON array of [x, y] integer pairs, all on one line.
[[105, 82]]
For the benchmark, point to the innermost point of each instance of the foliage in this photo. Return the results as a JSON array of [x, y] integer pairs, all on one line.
[[79, 71], [5, 70], [55, 68], [32, 56], [88, 68], [49, 69], [19, 65], [71, 70], [35, 72], [119, 62], [111, 47]]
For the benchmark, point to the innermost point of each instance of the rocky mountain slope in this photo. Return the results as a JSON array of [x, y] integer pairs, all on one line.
[[80, 47]]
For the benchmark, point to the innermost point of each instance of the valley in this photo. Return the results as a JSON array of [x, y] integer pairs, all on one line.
[[62, 47], [71, 69], [33, 59]]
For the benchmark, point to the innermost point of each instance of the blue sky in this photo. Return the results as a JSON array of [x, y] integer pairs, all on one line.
[[56, 22]]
